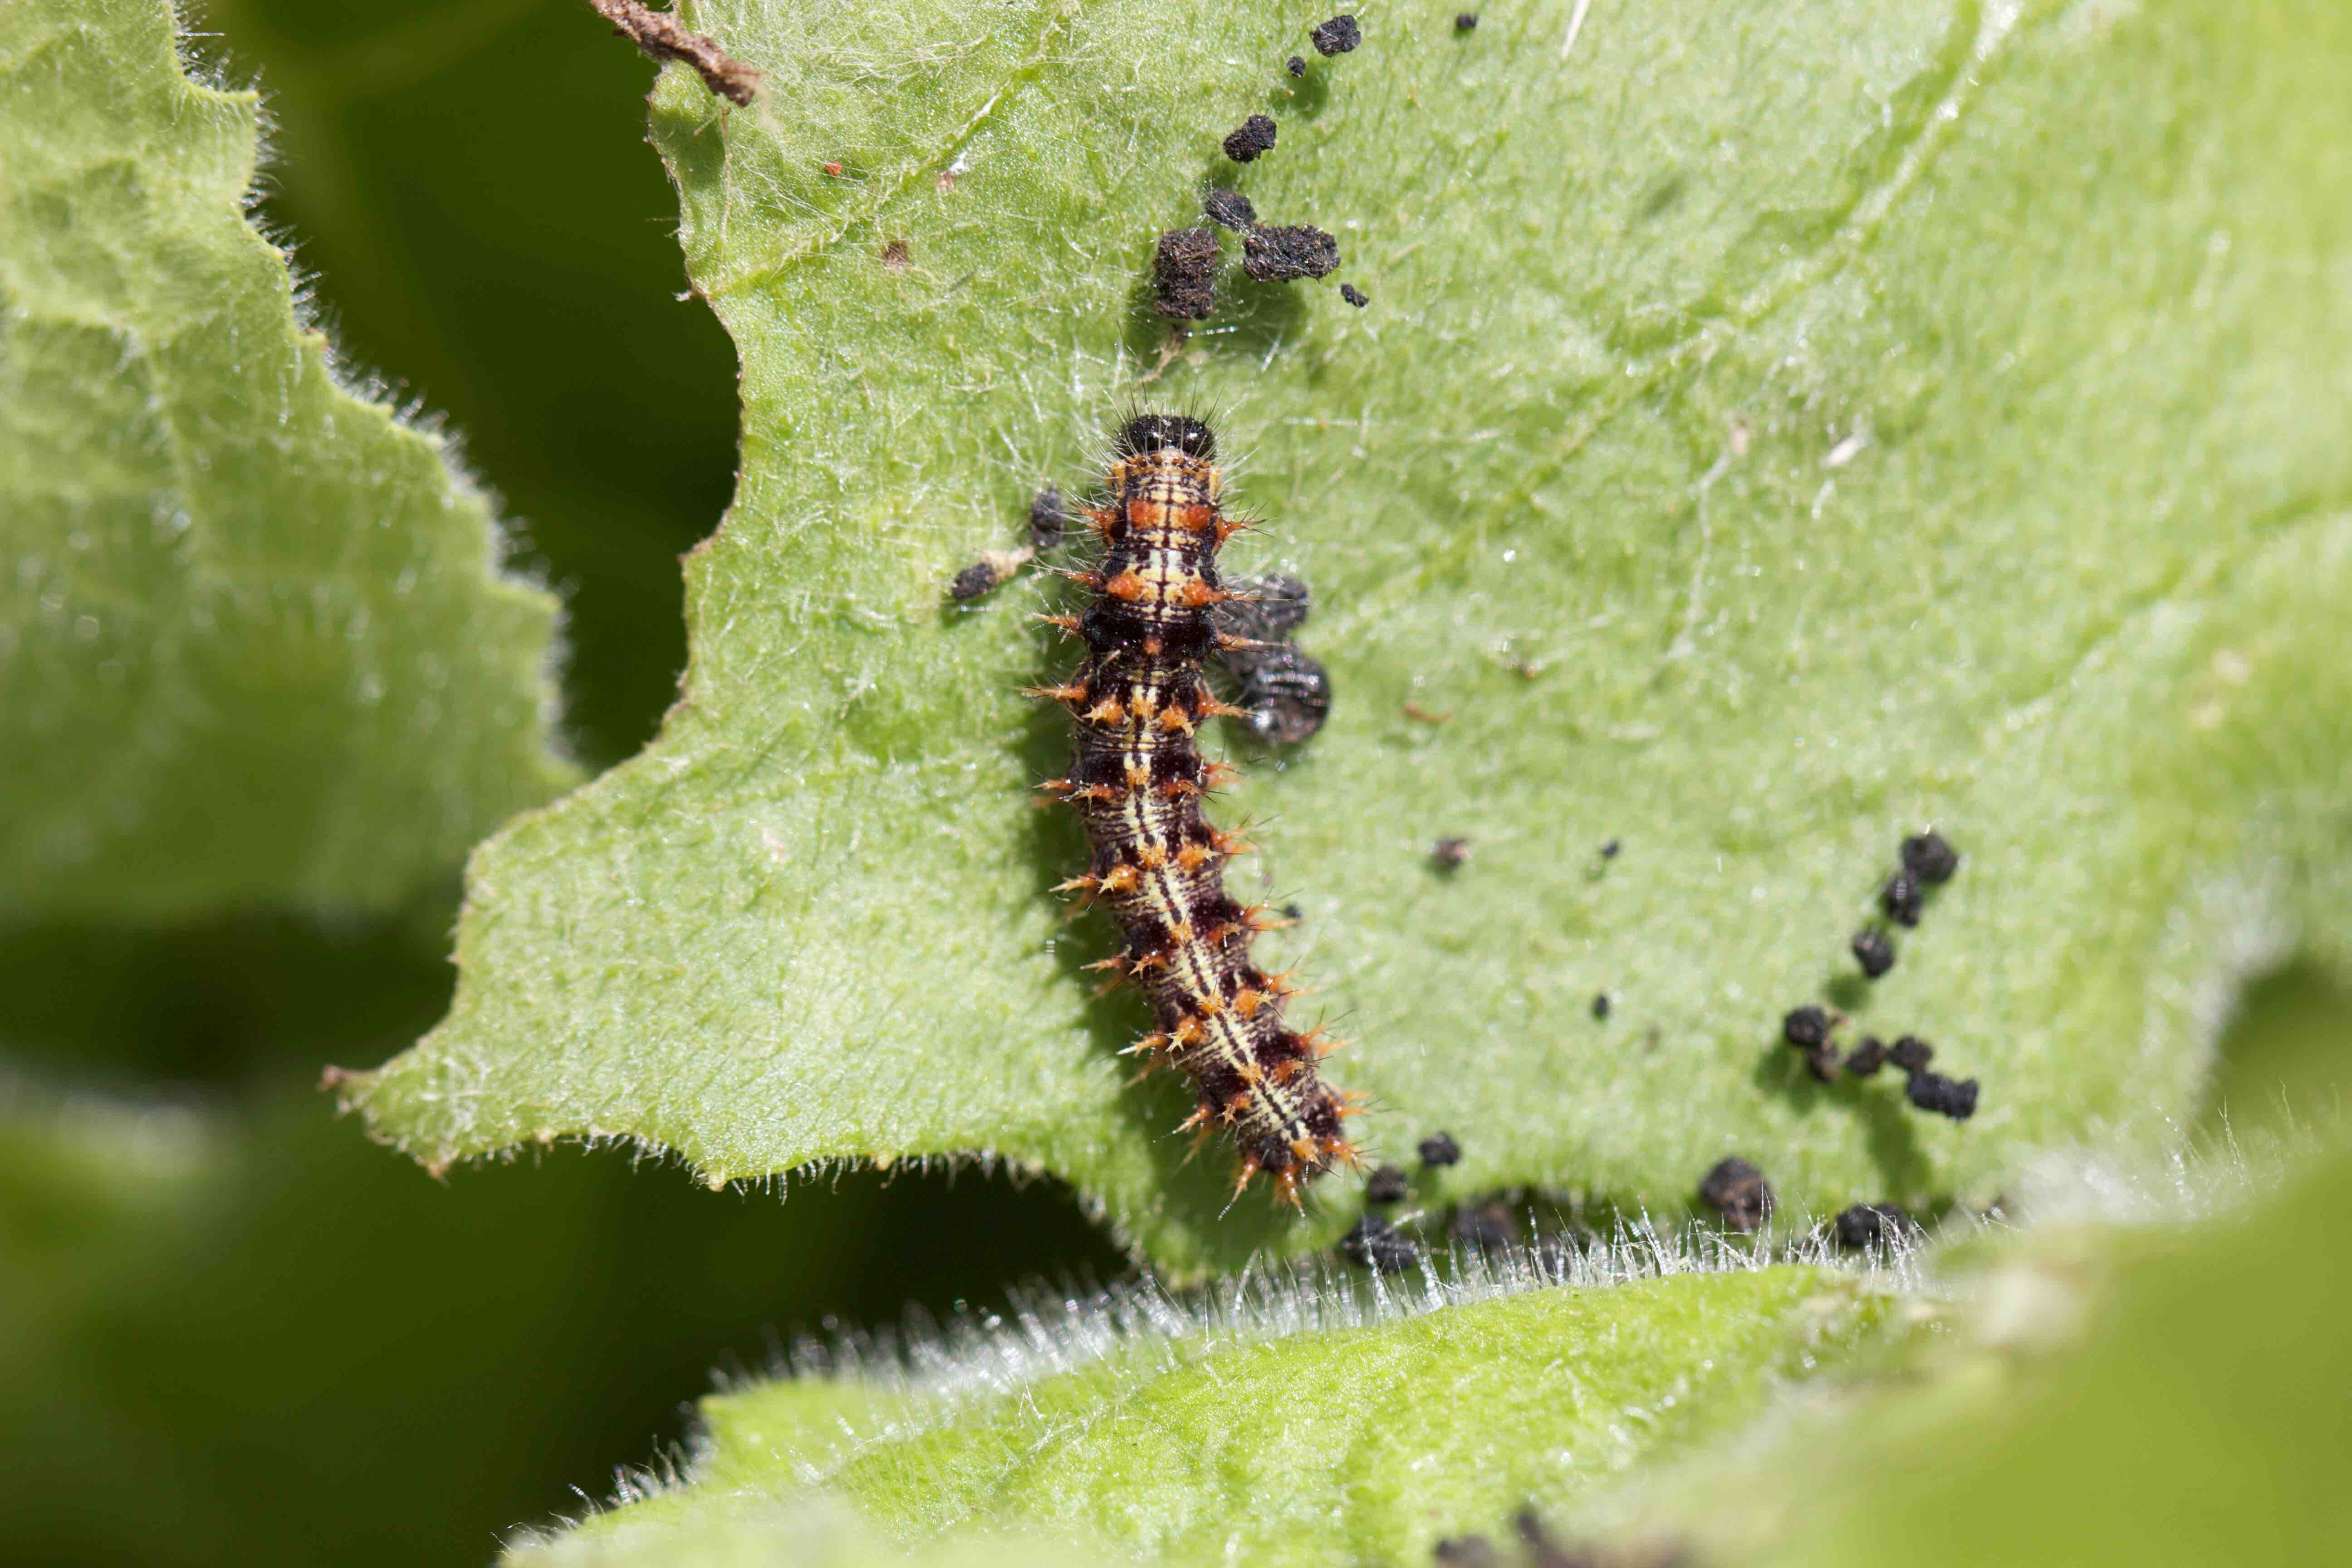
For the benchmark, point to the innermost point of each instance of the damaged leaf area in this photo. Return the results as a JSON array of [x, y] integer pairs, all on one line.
[[1766, 437], [254, 640]]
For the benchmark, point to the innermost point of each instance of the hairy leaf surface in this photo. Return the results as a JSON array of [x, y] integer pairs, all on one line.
[[1769, 434], [254, 643], [1316, 1443]]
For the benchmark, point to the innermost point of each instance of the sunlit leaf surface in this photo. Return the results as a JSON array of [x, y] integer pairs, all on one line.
[[1770, 432]]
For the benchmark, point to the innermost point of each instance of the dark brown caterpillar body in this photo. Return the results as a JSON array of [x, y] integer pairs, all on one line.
[[1137, 777]]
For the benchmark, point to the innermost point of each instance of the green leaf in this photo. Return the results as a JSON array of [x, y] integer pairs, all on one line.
[[255, 645], [816, 1532], [2152, 1393], [612, 450], [1287, 1430], [1769, 434], [231, 1331]]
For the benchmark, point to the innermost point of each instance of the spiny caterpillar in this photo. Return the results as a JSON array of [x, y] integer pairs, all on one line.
[[1137, 777]]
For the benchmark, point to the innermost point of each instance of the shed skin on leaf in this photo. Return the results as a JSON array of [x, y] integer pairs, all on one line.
[[1137, 777]]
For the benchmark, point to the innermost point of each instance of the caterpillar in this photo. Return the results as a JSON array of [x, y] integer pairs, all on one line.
[[1137, 778]]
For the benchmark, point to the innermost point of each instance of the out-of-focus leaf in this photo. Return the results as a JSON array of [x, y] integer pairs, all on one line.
[[533, 297], [254, 643], [2154, 1393], [232, 1336]]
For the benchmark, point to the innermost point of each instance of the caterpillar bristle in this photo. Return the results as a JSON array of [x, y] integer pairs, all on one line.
[[1138, 779]]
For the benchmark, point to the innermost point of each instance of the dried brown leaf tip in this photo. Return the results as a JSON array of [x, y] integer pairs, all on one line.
[[665, 38]]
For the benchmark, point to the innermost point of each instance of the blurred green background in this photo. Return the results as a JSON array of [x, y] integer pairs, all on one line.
[[266, 1339], [273, 1342]]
